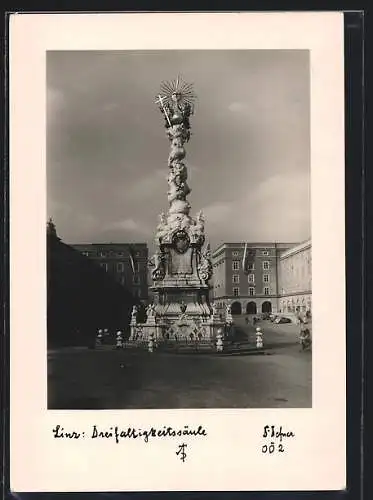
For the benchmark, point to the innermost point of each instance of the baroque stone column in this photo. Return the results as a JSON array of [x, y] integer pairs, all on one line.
[[182, 263]]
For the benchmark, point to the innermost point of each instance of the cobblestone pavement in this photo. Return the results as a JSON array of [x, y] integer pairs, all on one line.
[[109, 379]]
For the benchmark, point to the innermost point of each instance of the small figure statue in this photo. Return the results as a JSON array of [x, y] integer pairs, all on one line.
[[163, 219], [119, 340], [159, 271], [228, 314], [150, 311], [259, 338], [200, 218], [162, 227], [51, 228], [219, 340], [214, 308], [176, 111], [198, 228], [134, 314]]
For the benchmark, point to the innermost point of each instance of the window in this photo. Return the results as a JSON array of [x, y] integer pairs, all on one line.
[[266, 290], [103, 254], [137, 254], [235, 254], [266, 278], [235, 278], [104, 266], [251, 290], [265, 252], [86, 254], [251, 278], [236, 265], [120, 267], [266, 265], [251, 266], [236, 292], [119, 254]]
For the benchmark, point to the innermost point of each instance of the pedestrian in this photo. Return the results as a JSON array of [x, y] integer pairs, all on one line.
[[305, 339], [99, 338]]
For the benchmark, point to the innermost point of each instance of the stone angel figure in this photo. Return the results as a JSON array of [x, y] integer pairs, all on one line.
[[158, 272], [197, 229], [162, 227], [178, 110], [162, 219], [150, 310], [200, 221]]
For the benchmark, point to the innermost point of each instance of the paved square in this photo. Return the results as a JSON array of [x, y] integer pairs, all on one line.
[[110, 379]]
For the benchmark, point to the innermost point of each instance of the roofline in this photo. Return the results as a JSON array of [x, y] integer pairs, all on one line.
[[296, 249], [259, 244], [106, 244]]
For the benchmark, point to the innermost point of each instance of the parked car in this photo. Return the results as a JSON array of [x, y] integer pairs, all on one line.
[[265, 316], [272, 317], [282, 319]]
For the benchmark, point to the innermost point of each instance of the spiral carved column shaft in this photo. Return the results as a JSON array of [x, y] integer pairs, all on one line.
[[179, 236]]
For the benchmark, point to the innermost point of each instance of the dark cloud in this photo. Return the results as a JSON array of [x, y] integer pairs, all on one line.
[[248, 157]]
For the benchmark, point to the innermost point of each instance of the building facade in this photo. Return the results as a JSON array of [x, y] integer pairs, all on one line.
[[295, 277], [252, 287], [127, 263]]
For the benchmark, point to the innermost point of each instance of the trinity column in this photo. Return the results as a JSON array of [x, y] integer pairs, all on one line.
[[181, 266]]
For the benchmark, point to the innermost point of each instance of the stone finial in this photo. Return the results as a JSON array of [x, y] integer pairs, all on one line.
[[259, 338], [219, 340], [51, 228]]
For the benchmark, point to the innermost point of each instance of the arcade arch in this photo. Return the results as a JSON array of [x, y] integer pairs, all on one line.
[[251, 308], [266, 307], [236, 308]]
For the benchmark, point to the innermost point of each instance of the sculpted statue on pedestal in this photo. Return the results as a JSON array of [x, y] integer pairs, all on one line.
[[134, 313], [150, 310], [214, 308], [162, 228], [158, 272]]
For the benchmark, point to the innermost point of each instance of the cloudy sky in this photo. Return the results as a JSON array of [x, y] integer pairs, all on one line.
[[248, 159]]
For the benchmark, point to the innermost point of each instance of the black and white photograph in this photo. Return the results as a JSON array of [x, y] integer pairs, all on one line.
[[209, 303], [177, 235]]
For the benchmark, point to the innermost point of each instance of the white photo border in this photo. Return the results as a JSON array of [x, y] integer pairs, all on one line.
[[229, 459]]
